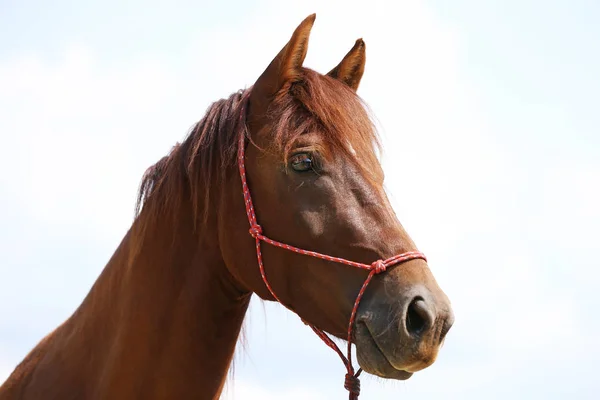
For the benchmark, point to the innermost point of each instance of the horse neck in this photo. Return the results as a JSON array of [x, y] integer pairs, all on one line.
[[180, 314], [161, 321]]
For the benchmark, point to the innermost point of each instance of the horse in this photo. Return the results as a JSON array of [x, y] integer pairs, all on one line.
[[296, 152]]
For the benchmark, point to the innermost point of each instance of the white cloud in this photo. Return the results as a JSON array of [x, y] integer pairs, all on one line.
[[5, 371], [571, 195], [77, 134], [250, 391], [6, 367]]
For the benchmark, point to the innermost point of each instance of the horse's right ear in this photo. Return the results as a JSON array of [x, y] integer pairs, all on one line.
[[284, 68]]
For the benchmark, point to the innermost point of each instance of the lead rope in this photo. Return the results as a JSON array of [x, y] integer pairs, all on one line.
[[351, 381]]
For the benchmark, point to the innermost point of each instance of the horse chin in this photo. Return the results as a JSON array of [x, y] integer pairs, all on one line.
[[372, 360]]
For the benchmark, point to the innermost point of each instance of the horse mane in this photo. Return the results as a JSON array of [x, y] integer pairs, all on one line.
[[313, 103], [191, 166]]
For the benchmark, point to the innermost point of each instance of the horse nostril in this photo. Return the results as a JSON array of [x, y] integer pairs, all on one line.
[[418, 317]]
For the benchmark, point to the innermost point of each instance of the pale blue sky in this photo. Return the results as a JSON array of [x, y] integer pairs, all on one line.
[[489, 116]]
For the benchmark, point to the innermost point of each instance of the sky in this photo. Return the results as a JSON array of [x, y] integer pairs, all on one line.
[[488, 114]]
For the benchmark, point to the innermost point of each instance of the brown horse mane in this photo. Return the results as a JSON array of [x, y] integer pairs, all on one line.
[[313, 103]]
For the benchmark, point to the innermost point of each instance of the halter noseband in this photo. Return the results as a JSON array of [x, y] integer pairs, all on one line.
[[351, 383]]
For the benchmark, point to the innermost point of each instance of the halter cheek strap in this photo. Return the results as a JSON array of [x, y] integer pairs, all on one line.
[[351, 382]]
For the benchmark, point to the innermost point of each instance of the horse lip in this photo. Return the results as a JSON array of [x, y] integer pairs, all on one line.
[[399, 374]]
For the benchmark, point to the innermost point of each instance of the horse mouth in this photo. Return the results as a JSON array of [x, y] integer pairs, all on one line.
[[372, 358]]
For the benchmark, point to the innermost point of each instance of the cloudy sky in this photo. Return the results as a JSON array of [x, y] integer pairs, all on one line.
[[490, 122]]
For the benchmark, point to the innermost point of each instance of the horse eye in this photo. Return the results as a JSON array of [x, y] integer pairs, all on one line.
[[301, 162]]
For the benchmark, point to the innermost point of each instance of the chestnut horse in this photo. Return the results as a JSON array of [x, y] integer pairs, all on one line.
[[163, 318]]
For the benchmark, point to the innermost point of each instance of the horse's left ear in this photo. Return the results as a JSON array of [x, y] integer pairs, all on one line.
[[350, 70], [285, 68]]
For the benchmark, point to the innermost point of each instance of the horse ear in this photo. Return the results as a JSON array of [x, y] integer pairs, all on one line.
[[350, 70], [285, 67]]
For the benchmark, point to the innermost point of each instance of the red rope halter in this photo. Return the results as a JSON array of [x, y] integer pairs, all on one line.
[[351, 383]]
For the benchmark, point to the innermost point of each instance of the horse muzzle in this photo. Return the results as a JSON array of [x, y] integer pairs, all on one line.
[[394, 345]]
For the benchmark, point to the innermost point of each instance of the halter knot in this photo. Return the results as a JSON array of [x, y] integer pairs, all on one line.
[[255, 231], [379, 266], [352, 384]]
